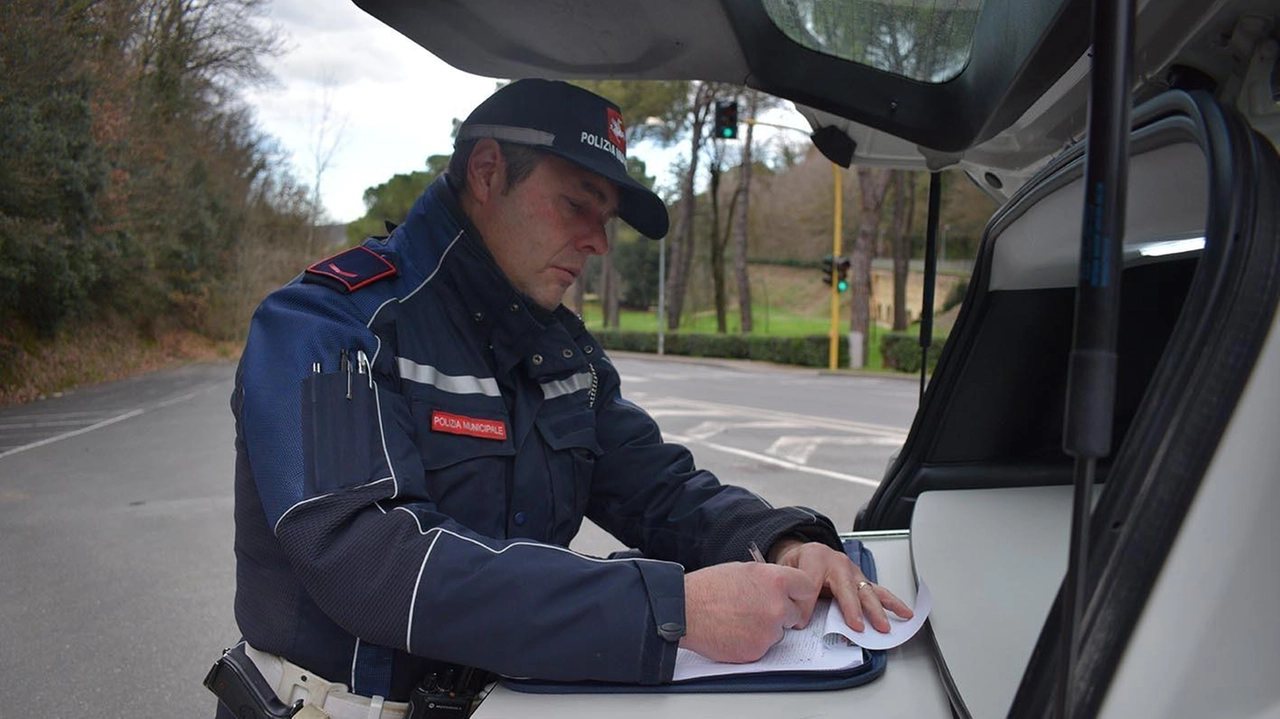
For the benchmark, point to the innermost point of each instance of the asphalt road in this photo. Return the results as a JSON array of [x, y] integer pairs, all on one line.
[[116, 567]]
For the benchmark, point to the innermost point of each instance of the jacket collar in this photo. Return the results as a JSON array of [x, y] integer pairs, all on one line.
[[546, 343]]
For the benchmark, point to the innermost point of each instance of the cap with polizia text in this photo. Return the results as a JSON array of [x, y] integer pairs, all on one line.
[[577, 125]]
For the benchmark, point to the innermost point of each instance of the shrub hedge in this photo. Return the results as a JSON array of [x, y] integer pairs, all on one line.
[[902, 351], [809, 351]]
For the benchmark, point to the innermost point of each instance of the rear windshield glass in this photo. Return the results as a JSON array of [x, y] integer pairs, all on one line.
[[927, 40]]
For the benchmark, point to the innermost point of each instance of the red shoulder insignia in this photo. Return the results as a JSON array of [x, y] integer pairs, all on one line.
[[354, 268]]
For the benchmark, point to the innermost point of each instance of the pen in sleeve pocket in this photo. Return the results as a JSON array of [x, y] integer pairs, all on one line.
[[344, 364], [756, 554], [363, 366]]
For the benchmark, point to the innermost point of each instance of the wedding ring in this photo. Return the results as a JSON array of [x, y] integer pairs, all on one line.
[[863, 585]]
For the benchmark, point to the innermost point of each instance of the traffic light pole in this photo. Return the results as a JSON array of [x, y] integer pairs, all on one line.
[[833, 348]]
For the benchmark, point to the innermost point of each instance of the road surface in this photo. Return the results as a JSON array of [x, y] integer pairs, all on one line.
[[116, 567]]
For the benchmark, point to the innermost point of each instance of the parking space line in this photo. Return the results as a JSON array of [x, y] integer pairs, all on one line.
[[41, 425], [53, 415], [106, 422], [73, 433], [669, 407], [777, 462]]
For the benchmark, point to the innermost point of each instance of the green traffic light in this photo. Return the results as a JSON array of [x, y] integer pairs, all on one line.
[[842, 286]]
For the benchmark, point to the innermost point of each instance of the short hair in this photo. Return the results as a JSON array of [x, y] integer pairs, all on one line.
[[521, 161]]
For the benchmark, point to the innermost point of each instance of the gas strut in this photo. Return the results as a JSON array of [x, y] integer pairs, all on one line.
[[930, 274], [1091, 379]]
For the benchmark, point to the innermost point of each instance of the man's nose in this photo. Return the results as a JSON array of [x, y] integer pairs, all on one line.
[[595, 240]]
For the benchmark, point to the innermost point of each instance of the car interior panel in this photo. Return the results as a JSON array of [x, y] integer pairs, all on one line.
[[996, 415], [978, 501], [1000, 387]]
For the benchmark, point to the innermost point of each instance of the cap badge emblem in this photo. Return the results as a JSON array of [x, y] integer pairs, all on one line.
[[617, 131]]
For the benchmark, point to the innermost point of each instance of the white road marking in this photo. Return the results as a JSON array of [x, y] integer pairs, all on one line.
[[679, 407], [799, 449], [182, 398], [794, 449], [777, 462], [55, 415], [789, 451], [706, 430], [104, 423], [656, 413], [38, 425], [66, 435]]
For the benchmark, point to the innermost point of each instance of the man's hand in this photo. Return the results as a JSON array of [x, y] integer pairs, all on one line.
[[734, 612], [833, 574]]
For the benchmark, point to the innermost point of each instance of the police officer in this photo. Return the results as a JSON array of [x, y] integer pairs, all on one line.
[[421, 428]]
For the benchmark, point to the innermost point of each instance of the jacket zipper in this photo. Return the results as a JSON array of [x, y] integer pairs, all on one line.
[[595, 385]]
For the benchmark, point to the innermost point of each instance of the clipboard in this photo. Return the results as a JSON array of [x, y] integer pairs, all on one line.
[[873, 665]]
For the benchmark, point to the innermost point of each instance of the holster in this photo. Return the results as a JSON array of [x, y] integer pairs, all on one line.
[[238, 684]]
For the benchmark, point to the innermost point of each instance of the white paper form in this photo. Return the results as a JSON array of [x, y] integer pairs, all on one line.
[[799, 650], [821, 646], [900, 630]]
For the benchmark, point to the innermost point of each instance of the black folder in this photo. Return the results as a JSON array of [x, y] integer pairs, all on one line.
[[872, 666]]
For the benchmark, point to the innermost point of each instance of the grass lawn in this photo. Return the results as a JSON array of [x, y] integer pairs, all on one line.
[[786, 302], [767, 322]]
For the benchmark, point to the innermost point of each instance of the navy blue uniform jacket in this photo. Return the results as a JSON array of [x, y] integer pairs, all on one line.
[[426, 516]]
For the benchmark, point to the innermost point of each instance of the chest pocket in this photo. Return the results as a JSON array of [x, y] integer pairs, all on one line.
[[466, 449], [572, 450]]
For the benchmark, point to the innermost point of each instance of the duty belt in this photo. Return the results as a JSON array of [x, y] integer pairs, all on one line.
[[268, 685]]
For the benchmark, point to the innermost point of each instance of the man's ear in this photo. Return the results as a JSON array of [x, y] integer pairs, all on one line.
[[486, 169]]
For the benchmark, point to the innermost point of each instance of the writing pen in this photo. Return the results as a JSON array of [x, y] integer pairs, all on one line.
[[344, 364], [756, 554]]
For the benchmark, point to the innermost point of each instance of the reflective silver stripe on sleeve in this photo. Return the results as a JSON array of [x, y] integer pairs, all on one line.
[[560, 387], [506, 133], [459, 384]]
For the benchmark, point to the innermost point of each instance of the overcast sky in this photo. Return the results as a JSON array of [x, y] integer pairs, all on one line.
[[392, 100]]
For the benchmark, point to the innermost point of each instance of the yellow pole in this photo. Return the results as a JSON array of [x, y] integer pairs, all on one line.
[[833, 350]]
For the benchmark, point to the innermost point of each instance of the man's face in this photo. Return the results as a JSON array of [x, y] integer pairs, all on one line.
[[541, 231]]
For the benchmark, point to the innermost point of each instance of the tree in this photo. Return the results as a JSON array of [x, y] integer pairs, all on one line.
[[51, 172], [392, 200], [929, 43], [636, 262], [327, 136], [873, 184], [191, 157], [718, 240], [614, 282], [682, 236], [651, 111], [610, 283], [148, 173], [753, 99], [736, 225], [904, 200]]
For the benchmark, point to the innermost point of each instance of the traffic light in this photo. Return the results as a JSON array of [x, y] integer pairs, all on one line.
[[726, 119], [837, 267]]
